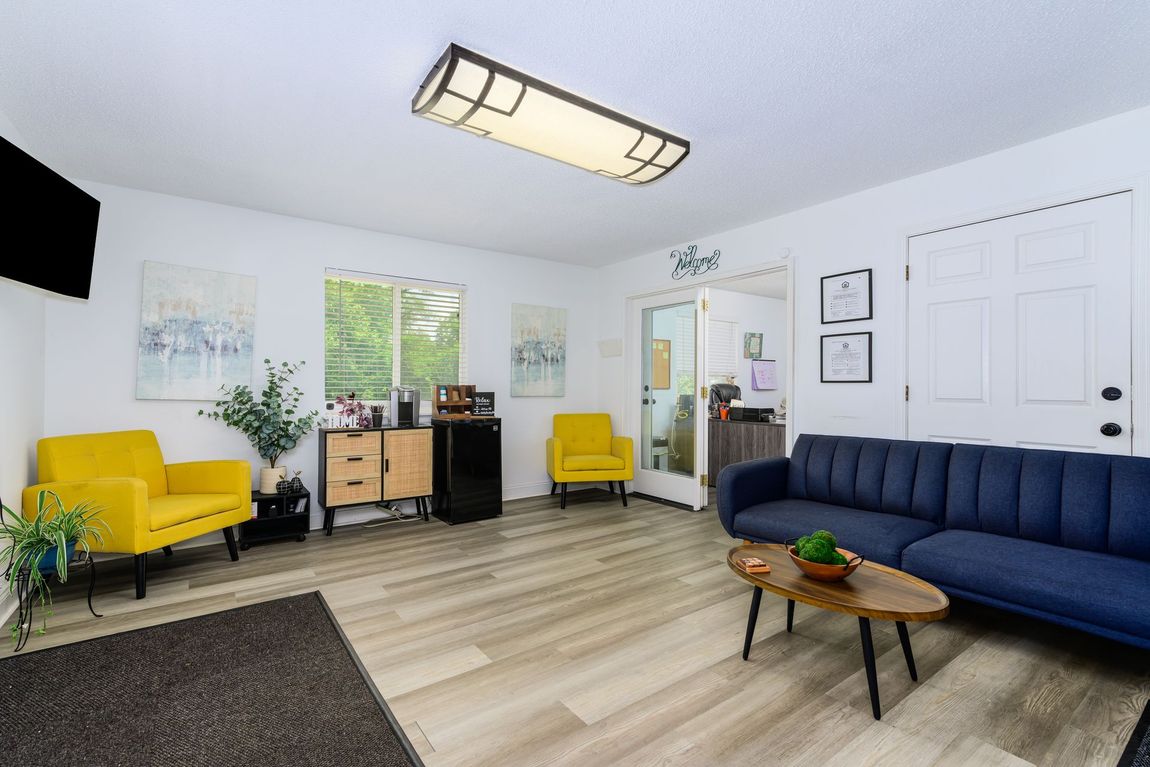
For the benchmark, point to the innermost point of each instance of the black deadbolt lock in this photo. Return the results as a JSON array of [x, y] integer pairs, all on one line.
[[1111, 393], [1110, 430]]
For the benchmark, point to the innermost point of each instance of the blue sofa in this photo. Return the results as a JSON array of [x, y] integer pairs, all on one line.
[[1060, 536]]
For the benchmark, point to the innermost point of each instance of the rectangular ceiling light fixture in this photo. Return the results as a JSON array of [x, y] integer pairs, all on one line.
[[492, 100]]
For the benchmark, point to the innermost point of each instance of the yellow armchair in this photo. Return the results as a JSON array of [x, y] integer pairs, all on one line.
[[146, 504], [584, 450]]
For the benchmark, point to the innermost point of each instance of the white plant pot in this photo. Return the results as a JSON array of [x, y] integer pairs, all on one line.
[[269, 477]]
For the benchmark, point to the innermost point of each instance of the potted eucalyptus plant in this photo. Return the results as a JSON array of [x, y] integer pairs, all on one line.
[[46, 544], [271, 419]]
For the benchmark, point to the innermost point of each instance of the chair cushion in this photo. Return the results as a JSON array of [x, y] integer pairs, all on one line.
[[170, 510], [583, 433], [1093, 587], [103, 455], [592, 463], [878, 537]]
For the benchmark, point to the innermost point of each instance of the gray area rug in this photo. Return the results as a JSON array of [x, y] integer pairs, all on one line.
[[1137, 753], [274, 683]]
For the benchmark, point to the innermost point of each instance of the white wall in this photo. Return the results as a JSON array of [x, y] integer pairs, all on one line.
[[756, 314], [869, 229], [91, 347], [21, 381]]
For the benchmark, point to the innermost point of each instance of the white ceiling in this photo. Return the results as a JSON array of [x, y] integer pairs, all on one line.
[[303, 108]]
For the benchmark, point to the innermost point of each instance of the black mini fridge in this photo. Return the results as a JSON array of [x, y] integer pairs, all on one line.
[[467, 482]]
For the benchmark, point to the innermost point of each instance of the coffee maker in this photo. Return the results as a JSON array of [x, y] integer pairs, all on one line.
[[404, 406]]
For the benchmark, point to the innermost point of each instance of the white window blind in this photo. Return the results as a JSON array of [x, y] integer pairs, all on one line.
[[684, 355], [379, 333], [722, 349]]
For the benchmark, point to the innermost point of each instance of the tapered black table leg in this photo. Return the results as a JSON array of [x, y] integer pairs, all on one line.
[[754, 616], [868, 660], [92, 585], [790, 615], [904, 637]]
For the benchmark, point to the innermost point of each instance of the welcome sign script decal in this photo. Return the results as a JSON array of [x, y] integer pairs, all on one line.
[[688, 262]]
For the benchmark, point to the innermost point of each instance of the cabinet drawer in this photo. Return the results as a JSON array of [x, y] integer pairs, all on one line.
[[353, 467], [353, 443], [352, 491]]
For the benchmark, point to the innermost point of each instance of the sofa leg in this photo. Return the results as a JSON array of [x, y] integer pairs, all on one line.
[[167, 551], [756, 597], [623, 493], [553, 486], [904, 638], [563, 495], [230, 537], [611, 487], [141, 575]]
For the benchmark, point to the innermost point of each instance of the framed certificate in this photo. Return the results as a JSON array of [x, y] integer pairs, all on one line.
[[847, 297], [846, 358]]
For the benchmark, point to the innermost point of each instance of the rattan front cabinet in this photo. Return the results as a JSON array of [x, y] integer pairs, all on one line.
[[350, 469]]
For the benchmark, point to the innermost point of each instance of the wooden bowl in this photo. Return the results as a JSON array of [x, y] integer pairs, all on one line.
[[828, 573]]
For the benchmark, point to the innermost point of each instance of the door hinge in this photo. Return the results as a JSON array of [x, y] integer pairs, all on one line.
[[704, 392], [908, 272], [706, 302], [906, 393], [703, 480]]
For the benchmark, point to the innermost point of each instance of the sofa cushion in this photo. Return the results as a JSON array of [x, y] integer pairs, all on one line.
[[879, 475], [170, 510], [102, 456], [878, 537], [593, 463], [1088, 586], [583, 433]]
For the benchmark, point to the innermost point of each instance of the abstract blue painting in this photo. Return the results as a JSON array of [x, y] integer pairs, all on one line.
[[196, 330], [538, 351]]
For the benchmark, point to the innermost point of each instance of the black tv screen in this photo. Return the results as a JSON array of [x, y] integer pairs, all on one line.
[[47, 226]]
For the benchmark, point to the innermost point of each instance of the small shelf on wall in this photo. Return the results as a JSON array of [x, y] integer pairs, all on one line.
[[453, 399]]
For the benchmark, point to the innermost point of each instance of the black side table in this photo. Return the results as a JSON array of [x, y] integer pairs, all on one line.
[[26, 600], [278, 515]]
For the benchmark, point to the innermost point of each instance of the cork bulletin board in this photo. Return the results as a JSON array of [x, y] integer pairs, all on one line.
[[660, 363]]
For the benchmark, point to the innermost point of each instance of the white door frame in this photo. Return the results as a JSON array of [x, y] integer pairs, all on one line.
[[1139, 187], [631, 362]]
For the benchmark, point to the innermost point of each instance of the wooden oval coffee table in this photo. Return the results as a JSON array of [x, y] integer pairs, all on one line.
[[872, 591]]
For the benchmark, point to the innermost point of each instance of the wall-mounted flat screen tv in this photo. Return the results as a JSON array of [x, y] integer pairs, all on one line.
[[47, 226]]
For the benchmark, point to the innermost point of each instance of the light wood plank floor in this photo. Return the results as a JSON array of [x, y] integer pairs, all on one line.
[[608, 636]]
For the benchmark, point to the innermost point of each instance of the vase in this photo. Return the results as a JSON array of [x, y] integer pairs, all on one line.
[[377, 420], [269, 477], [47, 563]]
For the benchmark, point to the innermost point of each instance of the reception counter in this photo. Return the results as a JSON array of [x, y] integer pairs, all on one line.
[[733, 441]]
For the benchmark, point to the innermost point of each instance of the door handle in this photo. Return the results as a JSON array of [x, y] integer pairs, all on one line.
[[1111, 393], [1110, 430], [646, 401]]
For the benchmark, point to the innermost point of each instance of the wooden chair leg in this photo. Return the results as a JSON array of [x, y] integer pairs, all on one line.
[[141, 575], [230, 537]]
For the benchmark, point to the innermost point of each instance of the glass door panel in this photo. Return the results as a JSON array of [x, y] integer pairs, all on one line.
[[668, 396]]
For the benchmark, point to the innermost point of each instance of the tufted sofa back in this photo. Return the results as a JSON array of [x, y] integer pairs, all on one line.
[[583, 433], [103, 455], [1077, 500], [884, 475]]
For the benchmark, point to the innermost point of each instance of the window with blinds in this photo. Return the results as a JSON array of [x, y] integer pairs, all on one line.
[[722, 350], [380, 333], [684, 355]]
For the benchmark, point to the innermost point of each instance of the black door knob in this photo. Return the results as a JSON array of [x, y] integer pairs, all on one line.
[[646, 401], [1110, 430], [1111, 393]]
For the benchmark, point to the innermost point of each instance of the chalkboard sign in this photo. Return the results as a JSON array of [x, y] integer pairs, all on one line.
[[483, 403]]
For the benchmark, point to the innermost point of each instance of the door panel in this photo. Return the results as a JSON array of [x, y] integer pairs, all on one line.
[[1016, 326]]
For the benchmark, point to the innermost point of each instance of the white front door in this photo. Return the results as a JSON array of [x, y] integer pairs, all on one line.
[[664, 407], [1019, 330]]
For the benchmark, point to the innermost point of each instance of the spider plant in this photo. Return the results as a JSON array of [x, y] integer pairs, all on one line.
[[43, 544]]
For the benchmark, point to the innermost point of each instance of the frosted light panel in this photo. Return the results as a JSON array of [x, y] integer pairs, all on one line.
[[486, 98]]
